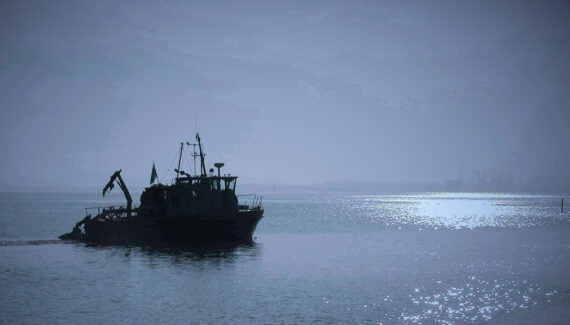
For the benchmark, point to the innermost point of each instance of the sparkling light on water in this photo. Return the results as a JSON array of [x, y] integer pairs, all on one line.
[[455, 210], [320, 258]]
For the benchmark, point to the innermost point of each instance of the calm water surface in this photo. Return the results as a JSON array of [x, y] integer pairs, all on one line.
[[319, 258]]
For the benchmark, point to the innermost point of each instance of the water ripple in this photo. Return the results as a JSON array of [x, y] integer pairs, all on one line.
[[472, 301]]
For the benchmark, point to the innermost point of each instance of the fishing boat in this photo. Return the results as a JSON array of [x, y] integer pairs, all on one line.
[[196, 208]]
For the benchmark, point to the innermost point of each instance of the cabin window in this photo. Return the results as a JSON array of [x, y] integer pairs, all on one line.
[[164, 195]]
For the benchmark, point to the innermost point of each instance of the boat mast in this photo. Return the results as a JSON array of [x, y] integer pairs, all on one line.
[[179, 159], [202, 164], [194, 155]]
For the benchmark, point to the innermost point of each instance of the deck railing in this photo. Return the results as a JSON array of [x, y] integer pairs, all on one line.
[[112, 212], [246, 201], [250, 201]]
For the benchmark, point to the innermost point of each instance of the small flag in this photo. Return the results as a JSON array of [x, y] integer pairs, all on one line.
[[153, 174]]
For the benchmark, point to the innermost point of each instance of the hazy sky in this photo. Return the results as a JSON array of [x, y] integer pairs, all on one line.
[[285, 92]]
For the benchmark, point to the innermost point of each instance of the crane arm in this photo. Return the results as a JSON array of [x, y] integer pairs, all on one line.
[[117, 176]]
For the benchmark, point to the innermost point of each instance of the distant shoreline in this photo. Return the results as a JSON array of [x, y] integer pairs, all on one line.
[[328, 187]]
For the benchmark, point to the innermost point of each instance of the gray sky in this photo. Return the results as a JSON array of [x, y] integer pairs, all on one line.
[[285, 92]]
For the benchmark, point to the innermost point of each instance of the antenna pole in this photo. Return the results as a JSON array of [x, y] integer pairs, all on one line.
[[179, 159], [194, 155], [202, 164]]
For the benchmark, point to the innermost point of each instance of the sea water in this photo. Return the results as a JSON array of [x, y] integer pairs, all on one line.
[[331, 258]]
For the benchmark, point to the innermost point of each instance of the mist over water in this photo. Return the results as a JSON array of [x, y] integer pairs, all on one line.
[[319, 257], [288, 93]]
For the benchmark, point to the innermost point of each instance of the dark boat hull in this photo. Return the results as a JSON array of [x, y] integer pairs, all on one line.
[[236, 227]]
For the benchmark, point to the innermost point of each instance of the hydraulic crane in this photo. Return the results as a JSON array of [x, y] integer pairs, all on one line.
[[117, 176]]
